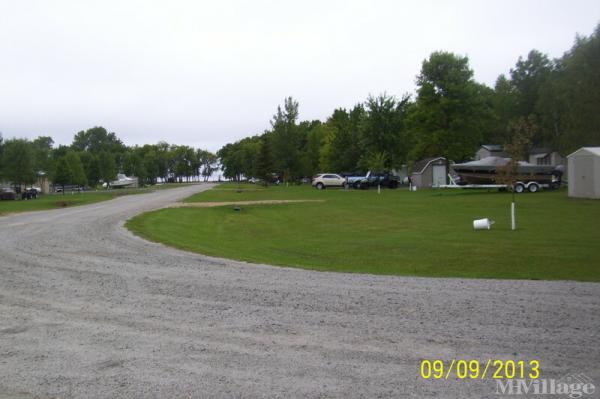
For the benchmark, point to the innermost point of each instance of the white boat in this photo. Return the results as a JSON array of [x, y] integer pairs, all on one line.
[[124, 181]]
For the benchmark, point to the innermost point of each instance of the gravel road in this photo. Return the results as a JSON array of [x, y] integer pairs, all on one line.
[[89, 310]]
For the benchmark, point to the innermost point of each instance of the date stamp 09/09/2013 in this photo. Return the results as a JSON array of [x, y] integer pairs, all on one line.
[[512, 377], [476, 369]]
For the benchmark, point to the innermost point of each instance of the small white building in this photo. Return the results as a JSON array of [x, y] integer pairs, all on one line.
[[584, 173]]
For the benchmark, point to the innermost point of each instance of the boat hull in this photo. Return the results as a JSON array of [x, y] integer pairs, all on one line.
[[486, 171]]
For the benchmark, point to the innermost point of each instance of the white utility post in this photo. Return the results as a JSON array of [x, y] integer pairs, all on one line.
[[512, 216]]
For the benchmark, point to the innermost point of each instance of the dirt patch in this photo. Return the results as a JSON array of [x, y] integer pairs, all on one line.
[[213, 204], [62, 204]]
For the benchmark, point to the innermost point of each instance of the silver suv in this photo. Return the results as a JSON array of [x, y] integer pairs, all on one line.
[[328, 180]]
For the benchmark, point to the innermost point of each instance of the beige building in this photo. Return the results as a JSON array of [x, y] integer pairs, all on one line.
[[544, 156], [584, 173], [490, 150], [429, 172]]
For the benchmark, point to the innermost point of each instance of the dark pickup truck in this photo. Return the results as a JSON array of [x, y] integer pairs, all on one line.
[[373, 180]]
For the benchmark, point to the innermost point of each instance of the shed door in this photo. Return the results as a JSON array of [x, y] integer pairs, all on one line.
[[439, 175], [584, 176]]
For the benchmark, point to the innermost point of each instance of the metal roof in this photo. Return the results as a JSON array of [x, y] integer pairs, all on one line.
[[421, 165], [593, 150], [493, 147], [539, 150]]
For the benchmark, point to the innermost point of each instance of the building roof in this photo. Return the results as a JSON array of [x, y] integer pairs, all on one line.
[[493, 147], [590, 150], [540, 150], [421, 165]]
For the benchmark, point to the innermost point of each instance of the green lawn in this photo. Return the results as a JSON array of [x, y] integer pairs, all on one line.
[[423, 233], [52, 201]]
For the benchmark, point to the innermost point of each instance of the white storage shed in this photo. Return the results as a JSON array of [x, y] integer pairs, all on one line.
[[584, 173]]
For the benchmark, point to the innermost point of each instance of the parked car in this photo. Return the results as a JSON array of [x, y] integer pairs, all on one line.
[[29, 194], [6, 194], [383, 179], [324, 180], [372, 180]]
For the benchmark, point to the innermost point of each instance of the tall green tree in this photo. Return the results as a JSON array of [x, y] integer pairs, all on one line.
[[42, 152], [285, 140], [107, 167], [452, 110], [133, 164], [96, 140], [311, 152], [151, 163], [231, 161], [91, 167], [62, 173], [346, 148], [383, 130], [579, 85], [264, 164], [504, 104], [76, 172], [208, 163], [1, 152], [527, 77], [19, 162]]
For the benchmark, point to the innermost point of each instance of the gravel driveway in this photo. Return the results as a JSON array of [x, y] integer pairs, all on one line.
[[88, 310]]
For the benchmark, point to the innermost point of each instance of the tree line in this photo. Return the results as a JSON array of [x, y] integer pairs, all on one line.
[[451, 116], [96, 156]]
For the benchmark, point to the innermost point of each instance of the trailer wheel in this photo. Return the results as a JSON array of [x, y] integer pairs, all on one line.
[[534, 188], [519, 188]]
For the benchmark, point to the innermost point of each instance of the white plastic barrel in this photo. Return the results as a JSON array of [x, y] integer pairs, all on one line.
[[482, 224]]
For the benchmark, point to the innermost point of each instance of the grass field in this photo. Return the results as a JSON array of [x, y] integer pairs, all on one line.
[[423, 233], [53, 201]]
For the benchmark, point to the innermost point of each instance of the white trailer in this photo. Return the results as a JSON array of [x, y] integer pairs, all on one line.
[[532, 186]]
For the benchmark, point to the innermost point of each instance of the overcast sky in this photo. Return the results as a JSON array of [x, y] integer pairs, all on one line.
[[204, 73]]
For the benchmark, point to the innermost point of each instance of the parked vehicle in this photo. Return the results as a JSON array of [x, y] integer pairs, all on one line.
[[519, 186], [6, 194], [324, 180], [385, 179], [29, 194]]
